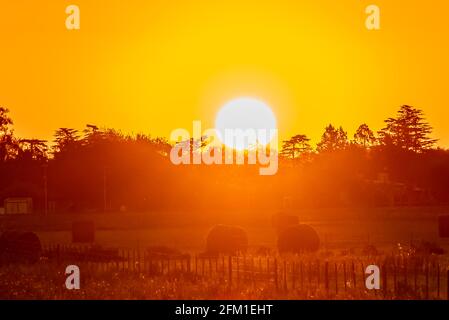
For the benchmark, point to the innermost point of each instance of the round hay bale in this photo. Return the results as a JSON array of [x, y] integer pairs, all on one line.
[[281, 221], [6, 242], [298, 239], [226, 240], [18, 246]]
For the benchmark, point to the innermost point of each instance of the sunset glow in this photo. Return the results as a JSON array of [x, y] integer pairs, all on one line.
[[224, 154], [152, 66]]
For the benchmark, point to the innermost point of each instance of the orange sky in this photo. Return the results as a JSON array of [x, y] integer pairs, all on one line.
[[153, 66]]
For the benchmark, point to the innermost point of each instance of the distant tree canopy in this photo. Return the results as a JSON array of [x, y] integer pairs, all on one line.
[[7, 143], [5, 120], [333, 139], [65, 139], [364, 136], [33, 149], [99, 169], [295, 146], [409, 130]]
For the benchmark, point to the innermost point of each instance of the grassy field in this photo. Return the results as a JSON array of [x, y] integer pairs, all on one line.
[[344, 234]]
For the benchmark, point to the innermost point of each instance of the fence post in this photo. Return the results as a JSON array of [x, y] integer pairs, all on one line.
[[336, 279], [238, 270], [210, 266], [268, 266], [438, 280], [294, 275], [161, 261], [203, 264], [326, 278], [139, 257], [223, 264], [252, 272], [415, 276], [168, 266], [117, 267], [309, 276], [58, 253], [148, 260], [276, 273], [395, 285], [344, 273], [427, 280], [405, 274], [353, 275], [285, 275], [447, 283], [230, 271], [196, 266], [134, 260], [216, 265]]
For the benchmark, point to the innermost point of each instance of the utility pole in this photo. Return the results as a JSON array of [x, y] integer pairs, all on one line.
[[104, 190], [45, 166]]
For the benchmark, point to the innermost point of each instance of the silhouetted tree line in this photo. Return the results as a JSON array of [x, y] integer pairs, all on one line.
[[104, 169]]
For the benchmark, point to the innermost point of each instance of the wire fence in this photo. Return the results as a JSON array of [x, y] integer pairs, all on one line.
[[401, 277]]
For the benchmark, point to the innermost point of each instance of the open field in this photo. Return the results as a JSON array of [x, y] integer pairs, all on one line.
[[335, 272], [339, 229], [134, 274]]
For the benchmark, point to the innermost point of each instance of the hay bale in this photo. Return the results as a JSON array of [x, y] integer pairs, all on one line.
[[281, 221], [226, 240], [83, 231], [20, 247], [298, 239]]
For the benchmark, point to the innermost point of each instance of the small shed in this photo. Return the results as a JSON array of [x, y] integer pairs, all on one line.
[[18, 205]]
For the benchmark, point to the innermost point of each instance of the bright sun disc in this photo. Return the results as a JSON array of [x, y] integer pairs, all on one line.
[[245, 122]]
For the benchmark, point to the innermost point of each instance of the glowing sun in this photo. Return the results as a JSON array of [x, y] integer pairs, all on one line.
[[245, 122]]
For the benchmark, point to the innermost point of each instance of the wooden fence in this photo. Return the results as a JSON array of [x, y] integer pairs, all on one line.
[[401, 277]]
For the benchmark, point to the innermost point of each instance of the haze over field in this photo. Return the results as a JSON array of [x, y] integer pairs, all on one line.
[[238, 149], [153, 66]]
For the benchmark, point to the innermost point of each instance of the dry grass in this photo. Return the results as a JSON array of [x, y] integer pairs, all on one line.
[[344, 234], [46, 279]]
